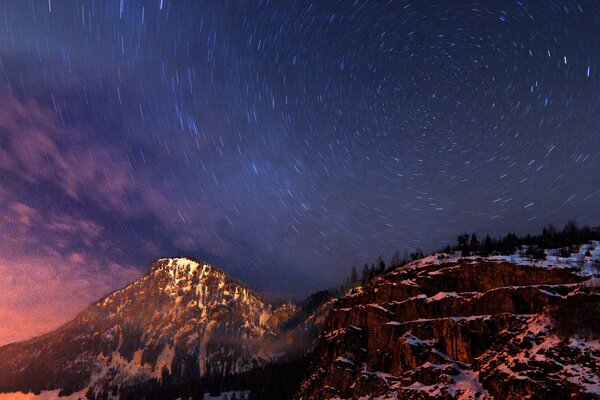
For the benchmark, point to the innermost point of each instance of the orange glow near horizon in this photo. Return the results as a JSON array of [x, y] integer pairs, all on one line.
[[36, 298]]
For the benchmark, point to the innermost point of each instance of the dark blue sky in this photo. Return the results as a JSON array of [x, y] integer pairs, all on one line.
[[284, 140]]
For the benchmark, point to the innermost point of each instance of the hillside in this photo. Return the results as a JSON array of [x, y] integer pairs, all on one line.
[[184, 328], [472, 327], [441, 327]]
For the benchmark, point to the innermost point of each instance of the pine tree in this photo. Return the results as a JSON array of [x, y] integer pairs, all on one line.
[[381, 264], [365, 274], [463, 242], [395, 262], [417, 254], [487, 246], [474, 245]]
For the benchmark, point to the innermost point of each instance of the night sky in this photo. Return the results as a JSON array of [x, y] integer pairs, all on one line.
[[284, 141]]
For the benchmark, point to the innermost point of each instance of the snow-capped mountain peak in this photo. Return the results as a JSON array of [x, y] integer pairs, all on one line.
[[183, 321]]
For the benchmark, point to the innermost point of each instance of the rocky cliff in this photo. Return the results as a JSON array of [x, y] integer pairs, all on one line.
[[477, 328], [441, 328]]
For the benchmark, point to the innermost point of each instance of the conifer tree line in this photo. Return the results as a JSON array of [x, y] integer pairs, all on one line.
[[567, 240], [378, 268]]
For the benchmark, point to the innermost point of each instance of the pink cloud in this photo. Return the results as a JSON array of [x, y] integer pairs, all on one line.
[[46, 281], [20, 213], [40, 294], [44, 284], [77, 258], [36, 148], [71, 225]]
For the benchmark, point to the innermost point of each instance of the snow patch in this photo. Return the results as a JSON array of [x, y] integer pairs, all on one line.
[[442, 295], [228, 395], [44, 395]]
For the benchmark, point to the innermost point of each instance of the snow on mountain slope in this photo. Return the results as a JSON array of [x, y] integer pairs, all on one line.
[[45, 395], [462, 328], [440, 327], [182, 322]]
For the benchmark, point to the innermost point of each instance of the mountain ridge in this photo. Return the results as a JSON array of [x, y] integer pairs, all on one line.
[[462, 327], [181, 322], [444, 326]]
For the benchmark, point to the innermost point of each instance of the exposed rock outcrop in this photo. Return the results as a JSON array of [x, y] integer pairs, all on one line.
[[440, 328], [476, 328]]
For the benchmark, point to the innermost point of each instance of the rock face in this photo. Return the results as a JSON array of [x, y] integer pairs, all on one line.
[[183, 329], [462, 328], [442, 328]]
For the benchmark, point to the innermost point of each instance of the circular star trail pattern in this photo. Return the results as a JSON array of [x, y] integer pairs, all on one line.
[[289, 140]]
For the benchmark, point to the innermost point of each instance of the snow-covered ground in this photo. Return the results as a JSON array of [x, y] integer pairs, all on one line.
[[45, 395], [228, 395], [586, 260]]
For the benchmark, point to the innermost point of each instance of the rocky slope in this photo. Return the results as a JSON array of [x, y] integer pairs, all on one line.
[[441, 328], [462, 328], [183, 329]]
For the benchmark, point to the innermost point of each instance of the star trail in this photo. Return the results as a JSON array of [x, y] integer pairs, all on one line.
[[282, 140]]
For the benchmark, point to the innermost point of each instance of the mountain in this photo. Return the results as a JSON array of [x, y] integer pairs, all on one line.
[[183, 329], [462, 328], [442, 327]]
